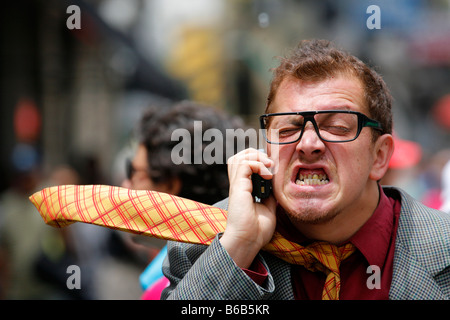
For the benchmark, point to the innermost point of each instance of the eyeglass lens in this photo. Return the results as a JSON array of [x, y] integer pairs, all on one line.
[[331, 127]]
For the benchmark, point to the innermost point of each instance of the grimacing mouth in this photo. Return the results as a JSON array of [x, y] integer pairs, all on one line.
[[311, 177]]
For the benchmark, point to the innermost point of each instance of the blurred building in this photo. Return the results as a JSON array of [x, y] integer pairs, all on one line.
[[73, 81]]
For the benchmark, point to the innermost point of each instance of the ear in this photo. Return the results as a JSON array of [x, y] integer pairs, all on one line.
[[383, 150]]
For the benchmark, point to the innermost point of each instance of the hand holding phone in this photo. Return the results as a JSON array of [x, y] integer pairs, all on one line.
[[250, 221]]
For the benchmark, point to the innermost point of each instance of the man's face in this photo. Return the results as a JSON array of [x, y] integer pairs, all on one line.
[[140, 179], [347, 166]]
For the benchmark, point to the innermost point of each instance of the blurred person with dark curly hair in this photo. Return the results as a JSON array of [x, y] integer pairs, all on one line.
[[152, 167]]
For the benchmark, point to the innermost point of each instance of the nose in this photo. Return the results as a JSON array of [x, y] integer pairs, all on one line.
[[310, 144]]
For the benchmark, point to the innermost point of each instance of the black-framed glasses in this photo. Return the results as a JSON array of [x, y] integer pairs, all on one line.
[[330, 125]]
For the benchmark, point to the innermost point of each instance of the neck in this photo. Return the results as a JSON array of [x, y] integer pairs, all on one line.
[[344, 224]]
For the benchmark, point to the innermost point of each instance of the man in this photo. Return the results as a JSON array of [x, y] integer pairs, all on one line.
[[329, 125]]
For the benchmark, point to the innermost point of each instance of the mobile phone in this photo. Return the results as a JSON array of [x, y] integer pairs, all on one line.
[[261, 187]]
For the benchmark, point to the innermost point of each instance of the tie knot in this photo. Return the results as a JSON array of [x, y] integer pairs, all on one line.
[[326, 257]]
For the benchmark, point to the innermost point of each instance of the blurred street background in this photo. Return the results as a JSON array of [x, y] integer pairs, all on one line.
[[70, 100]]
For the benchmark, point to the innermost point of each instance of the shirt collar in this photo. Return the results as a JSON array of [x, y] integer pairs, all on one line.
[[372, 239]]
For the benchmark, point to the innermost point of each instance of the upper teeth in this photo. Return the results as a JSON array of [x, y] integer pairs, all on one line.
[[312, 179]]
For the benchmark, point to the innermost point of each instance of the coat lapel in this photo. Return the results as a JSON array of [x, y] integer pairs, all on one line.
[[419, 252], [410, 281]]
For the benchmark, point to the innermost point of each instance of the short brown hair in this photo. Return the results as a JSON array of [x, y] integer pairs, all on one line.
[[317, 60]]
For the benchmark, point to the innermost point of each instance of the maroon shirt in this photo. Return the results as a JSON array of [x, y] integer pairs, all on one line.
[[374, 241]]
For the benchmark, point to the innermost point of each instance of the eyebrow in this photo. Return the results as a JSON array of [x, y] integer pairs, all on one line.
[[339, 107]]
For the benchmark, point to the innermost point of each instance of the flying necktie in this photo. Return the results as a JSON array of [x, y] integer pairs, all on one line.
[[170, 217]]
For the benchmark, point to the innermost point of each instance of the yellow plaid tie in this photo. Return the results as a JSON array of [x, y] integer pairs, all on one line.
[[170, 217], [327, 258]]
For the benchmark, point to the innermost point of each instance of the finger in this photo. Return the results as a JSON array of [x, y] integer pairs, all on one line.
[[245, 170], [245, 167], [250, 154]]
